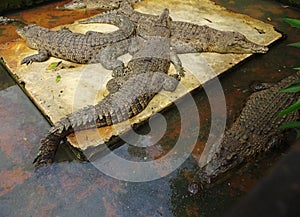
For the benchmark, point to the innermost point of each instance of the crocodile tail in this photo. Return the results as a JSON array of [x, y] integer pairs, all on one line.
[[118, 107], [49, 143], [132, 98], [47, 150], [112, 109], [110, 17], [126, 28]]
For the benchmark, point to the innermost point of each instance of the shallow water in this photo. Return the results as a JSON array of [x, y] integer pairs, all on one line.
[[80, 189]]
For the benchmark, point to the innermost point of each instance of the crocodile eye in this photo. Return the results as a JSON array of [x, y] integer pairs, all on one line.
[[231, 158]]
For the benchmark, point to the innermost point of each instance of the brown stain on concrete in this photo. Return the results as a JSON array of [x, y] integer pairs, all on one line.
[[11, 178]]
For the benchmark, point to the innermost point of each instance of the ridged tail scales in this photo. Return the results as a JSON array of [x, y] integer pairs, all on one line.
[[130, 99], [126, 29]]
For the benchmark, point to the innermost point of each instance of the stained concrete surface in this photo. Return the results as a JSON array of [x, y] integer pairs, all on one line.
[[85, 84]]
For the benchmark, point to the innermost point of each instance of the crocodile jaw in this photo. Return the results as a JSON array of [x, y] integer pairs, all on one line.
[[30, 33], [247, 47], [234, 42], [21, 32]]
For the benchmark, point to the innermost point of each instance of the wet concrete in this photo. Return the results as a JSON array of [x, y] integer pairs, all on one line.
[[79, 189]]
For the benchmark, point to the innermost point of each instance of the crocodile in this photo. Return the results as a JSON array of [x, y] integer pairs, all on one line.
[[71, 46], [84, 4], [129, 94], [255, 131], [186, 37]]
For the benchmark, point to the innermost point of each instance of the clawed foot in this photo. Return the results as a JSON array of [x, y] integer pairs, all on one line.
[[176, 76], [40, 57], [118, 72], [181, 72], [26, 60]]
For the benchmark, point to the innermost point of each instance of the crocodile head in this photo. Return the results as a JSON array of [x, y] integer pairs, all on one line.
[[206, 175], [235, 42], [222, 161], [32, 34]]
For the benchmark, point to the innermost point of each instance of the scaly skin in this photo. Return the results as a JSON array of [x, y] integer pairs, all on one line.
[[254, 132], [80, 4], [187, 37], [74, 47], [85, 4], [129, 94]]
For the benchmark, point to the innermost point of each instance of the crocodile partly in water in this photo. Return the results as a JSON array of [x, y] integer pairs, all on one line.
[[145, 75], [74, 47], [186, 37], [255, 131]]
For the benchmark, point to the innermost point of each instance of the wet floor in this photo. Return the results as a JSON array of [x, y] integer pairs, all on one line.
[[71, 188]]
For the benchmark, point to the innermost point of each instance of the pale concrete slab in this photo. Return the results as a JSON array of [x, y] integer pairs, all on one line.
[[85, 84]]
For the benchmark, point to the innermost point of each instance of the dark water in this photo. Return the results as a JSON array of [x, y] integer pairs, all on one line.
[[80, 189]]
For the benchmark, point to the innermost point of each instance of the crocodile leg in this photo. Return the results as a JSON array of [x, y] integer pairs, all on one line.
[[40, 57], [108, 56], [170, 82], [177, 63], [114, 84]]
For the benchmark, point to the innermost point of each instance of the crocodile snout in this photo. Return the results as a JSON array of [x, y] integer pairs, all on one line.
[[259, 49]]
